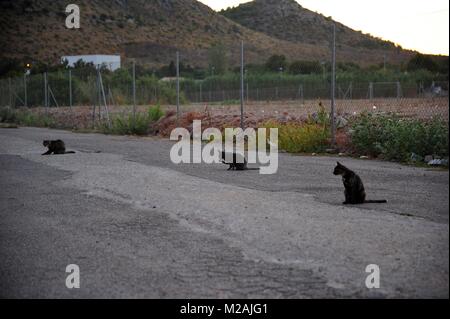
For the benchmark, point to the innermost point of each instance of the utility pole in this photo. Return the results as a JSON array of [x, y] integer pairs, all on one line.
[[178, 86], [333, 88], [242, 84]]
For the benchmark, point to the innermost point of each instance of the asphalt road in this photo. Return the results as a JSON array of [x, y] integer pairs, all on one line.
[[139, 226]]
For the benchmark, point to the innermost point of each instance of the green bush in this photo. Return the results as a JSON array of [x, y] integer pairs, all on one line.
[[25, 117], [301, 137], [8, 115], [148, 89], [395, 138], [128, 125], [28, 118], [155, 113], [133, 125]]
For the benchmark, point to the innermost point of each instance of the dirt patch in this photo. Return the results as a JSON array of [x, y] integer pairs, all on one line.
[[256, 113]]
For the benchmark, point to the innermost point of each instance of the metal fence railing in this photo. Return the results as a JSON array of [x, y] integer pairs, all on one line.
[[88, 86]]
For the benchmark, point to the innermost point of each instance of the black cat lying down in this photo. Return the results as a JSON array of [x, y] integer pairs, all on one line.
[[354, 188], [55, 147], [238, 163]]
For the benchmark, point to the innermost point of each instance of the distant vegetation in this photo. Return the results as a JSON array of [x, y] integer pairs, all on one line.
[[276, 72], [151, 32]]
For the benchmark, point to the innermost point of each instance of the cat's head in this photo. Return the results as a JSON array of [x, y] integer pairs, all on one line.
[[340, 169], [46, 143]]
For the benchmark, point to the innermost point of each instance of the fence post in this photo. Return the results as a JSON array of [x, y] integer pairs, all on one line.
[[100, 79], [25, 90], [371, 91], [46, 104], [333, 88], [242, 84], [399, 90], [134, 93], [95, 99], [10, 92], [301, 94], [201, 93], [99, 95], [248, 93], [70, 88], [178, 86]]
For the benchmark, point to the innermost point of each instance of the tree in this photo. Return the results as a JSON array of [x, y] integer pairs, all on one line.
[[305, 67], [10, 67], [443, 66], [172, 69], [421, 62], [217, 58], [276, 63]]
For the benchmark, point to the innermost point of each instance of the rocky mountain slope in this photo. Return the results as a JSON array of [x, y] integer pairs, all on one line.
[[288, 20], [153, 30]]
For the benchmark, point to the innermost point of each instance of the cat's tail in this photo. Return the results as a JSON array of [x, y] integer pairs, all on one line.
[[70, 152], [383, 201]]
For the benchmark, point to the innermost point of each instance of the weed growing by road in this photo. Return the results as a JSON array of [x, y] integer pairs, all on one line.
[[133, 125], [25, 117], [301, 137], [394, 138]]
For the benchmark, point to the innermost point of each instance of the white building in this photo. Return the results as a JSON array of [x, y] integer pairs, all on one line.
[[112, 62]]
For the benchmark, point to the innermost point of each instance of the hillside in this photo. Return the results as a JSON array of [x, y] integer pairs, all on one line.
[[151, 31], [288, 20]]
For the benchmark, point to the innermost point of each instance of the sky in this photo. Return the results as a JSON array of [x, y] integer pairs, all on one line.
[[414, 24]]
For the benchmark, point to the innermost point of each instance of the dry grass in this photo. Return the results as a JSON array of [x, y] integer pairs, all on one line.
[[256, 113]]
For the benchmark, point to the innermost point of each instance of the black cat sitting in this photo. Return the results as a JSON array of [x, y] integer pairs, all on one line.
[[354, 187]]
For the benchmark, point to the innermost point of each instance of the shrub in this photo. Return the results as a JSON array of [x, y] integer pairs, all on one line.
[[168, 95], [301, 137], [25, 117], [396, 139], [155, 113], [133, 125], [322, 118], [305, 67], [8, 115], [127, 125]]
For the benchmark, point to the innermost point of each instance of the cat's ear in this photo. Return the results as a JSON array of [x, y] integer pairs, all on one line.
[[339, 164]]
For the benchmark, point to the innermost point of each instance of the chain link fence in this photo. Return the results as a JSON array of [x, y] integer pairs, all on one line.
[[119, 90]]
